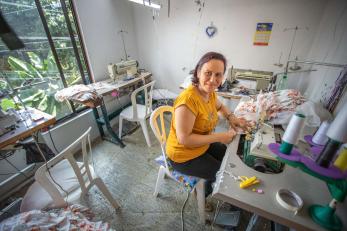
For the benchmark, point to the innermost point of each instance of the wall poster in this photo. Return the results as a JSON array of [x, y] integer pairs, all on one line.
[[262, 34]]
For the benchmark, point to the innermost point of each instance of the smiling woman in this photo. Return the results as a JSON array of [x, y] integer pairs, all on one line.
[[52, 58], [192, 146]]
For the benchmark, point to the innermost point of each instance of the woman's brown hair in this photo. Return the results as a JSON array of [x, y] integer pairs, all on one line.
[[204, 59]]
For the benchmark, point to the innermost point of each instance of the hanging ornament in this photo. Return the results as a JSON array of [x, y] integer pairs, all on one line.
[[211, 30]]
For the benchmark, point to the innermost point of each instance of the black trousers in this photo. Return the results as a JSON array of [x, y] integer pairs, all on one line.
[[204, 166]]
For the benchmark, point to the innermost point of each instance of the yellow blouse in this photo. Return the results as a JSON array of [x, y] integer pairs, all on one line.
[[205, 122]]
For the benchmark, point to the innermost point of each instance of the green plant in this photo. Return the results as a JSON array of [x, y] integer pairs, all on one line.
[[45, 74]]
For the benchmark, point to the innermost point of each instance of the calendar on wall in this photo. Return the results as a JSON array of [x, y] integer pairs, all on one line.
[[262, 34]]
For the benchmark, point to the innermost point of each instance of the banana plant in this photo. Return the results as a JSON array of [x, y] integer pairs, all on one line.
[[42, 72]]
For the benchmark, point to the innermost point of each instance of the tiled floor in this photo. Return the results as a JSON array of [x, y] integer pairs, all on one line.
[[130, 174]]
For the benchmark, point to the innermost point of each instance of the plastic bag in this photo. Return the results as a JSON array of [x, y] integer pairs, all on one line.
[[308, 109], [282, 117]]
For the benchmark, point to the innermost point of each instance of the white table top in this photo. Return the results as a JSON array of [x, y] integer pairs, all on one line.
[[107, 86], [310, 189]]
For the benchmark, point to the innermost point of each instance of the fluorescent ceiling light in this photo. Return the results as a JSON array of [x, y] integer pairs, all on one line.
[[146, 3]]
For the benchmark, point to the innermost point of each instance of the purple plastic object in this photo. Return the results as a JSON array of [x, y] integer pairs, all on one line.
[[296, 156], [315, 151], [308, 139]]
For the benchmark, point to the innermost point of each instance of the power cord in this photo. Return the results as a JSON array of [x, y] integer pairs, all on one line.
[[18, 170], [216, 213], [184, 205], [4, 156], [48, 170], [50, 135]]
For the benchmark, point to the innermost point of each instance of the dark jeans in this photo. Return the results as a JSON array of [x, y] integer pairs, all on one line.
[[204, 166]]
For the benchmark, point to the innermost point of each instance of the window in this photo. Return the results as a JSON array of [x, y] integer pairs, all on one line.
[[53, 56]]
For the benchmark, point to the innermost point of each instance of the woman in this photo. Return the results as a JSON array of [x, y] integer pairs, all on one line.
[[192, 146]]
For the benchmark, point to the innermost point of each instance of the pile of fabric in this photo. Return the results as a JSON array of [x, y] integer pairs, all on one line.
[[79, 93], [270, 105], [74, 217]]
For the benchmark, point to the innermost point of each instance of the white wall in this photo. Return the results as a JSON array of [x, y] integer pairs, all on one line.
[[100, 22], [170, 47], [330, 45]]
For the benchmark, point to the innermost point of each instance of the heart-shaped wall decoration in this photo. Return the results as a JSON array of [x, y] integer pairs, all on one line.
[[211, 31]]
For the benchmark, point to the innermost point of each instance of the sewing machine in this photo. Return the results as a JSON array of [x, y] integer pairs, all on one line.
[[259, 80], [264, 136], [7, 122], [122, 69]]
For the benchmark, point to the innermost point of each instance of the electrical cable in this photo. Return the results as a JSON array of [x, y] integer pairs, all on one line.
[[182, 209], [48, 170], [50, 135], [198, 29], [216, 213], [12, 173], [18, 170]]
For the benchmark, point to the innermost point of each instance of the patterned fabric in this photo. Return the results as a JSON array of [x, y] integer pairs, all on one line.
[[188, 182], [74, 217]]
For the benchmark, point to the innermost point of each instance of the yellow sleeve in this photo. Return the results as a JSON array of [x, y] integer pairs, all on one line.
[[188, 101]]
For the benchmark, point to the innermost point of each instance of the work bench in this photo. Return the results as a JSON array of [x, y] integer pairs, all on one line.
[[310, 189], [119, 88]]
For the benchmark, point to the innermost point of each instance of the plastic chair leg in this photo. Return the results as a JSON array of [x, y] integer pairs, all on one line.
[[200, 196], [145, 132], [102, 187], [160, 179], [120, 125]]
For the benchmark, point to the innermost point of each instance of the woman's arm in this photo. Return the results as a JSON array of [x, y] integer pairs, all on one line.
[[184, 121], [233, 120]]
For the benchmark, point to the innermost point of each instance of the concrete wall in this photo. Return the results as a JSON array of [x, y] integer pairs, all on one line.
[[100, 23], [171, 46], [330, 46]]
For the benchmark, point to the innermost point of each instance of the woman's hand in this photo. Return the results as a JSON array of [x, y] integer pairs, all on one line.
[[227, 137], [240, 123]]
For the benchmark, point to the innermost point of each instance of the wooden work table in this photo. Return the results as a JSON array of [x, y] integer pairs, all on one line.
[[25, 129], [310, 189]]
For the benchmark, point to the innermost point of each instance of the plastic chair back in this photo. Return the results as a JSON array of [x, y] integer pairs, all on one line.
[[83, 173], [158, 124], [148, 94]]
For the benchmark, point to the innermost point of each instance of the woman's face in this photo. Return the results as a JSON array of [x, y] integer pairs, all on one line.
[[211, 75]]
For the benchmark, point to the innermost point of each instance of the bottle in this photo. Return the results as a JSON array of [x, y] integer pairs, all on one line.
[[282, 84]]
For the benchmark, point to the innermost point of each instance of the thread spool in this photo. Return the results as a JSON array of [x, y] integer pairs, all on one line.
[[337, 134], [338, 128], [341, 161], [320, 137], [328, 153], [292, 133]]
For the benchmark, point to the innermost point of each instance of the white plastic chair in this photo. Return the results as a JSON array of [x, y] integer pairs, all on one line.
[[65, 175], [157, 123], [138, 112]]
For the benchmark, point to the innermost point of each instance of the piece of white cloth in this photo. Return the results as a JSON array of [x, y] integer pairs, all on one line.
[[74, 217]]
